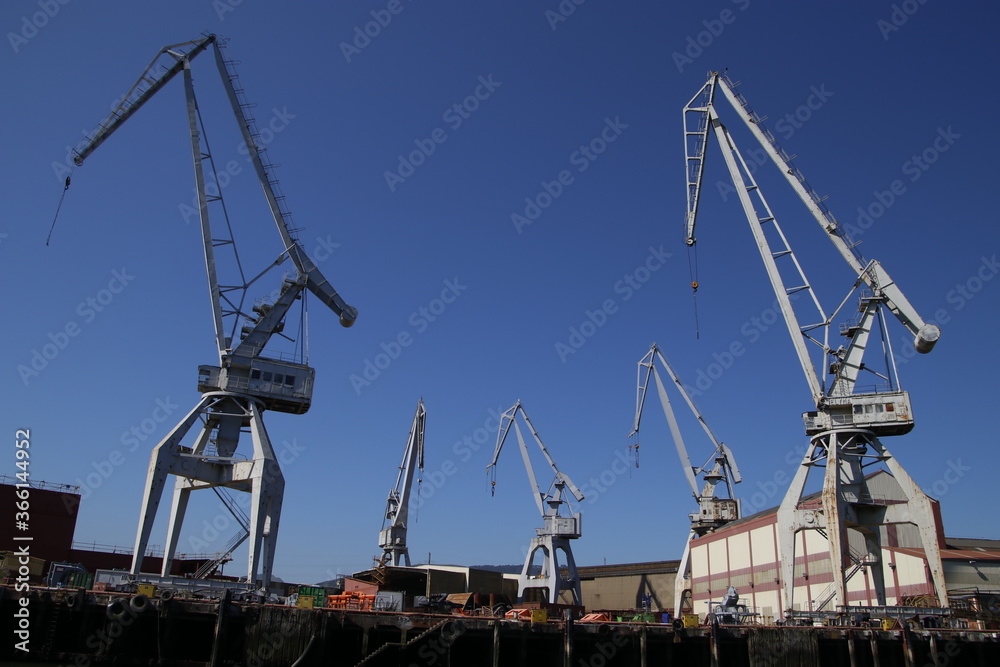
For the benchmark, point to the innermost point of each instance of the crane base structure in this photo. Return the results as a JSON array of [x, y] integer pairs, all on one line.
[[846, 505], [549, 579], [209, 464]]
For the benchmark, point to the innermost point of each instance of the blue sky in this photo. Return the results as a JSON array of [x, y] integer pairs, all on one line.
[[437, 257]]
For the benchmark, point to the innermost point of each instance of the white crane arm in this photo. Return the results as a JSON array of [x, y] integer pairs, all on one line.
[[561, 479], [155, 76], [647, 364], [925, 335], [413, 459], [317, 282]]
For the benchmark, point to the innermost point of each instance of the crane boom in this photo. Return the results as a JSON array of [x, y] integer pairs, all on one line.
[[561, 479], [392, 538], [872, 273], [316, 282], [154, 77], [720, 466]]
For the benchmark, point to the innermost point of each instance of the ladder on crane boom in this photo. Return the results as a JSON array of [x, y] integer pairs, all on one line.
[[845, 423], [392, 538], [557, 531], [713, 512]]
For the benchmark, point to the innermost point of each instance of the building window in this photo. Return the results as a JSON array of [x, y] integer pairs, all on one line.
[[255, 374], [289, 380]]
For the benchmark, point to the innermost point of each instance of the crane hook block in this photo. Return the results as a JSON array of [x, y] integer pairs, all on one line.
[[694, 285]]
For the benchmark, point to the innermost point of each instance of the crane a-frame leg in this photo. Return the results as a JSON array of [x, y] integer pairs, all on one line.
[[549, 577], [847, 505], [224, 416]]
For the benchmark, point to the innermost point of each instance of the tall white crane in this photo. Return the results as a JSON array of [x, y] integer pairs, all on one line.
[[713, 511], [848, 419], [557, 531], [245, 382], [392, 537]]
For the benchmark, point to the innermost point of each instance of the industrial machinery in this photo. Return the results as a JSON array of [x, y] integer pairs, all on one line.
[[557, 531], [245, 381], [713, 511], [392, 537], [847, 419]]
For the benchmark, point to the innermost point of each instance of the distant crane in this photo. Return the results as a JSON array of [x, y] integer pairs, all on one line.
[[713, 512], [846, 422], [558, 530], [245, 383], [392, 538]]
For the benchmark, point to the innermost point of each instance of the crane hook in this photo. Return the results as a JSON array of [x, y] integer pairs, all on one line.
[[56, 216]]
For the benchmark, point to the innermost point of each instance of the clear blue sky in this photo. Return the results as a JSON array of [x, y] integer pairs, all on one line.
[[884, 86]]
